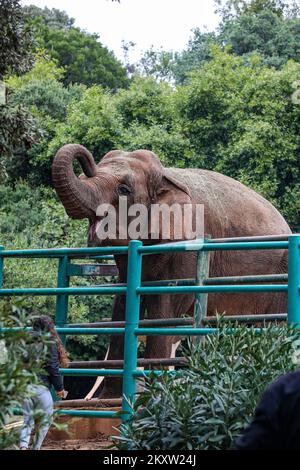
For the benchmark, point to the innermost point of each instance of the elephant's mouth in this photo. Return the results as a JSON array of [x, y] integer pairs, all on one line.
[[96, 236]]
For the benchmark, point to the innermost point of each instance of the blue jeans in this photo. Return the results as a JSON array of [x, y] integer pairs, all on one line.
[[37, 408]]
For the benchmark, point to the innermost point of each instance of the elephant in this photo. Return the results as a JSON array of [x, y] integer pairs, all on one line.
[[230, 210]]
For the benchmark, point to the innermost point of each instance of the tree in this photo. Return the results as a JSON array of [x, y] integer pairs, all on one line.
[[229, 9], [42, 97], [53, 18], [81, 54], [17, 128], [276, 38], [241, 121], [157, 64], [15, 39], [143, 116], [197, 52], [257, 26]]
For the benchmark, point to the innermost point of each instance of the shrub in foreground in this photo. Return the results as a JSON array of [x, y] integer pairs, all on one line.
[[214, 398]]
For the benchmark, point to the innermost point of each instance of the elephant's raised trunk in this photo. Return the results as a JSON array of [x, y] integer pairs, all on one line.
[[76, 193]]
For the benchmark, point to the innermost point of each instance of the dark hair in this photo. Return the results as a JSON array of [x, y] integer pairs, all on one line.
[[46, 324]]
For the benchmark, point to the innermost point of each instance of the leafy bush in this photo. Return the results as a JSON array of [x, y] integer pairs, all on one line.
[[214, 398], [15, 349]]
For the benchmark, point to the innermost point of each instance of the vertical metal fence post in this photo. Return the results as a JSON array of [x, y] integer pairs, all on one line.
[[62, 301], [294, 280], [1, 266], [202, 273], [134, 273]]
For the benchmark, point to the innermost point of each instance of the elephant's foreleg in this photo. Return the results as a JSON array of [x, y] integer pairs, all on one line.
[[112, 386], [165, 306]]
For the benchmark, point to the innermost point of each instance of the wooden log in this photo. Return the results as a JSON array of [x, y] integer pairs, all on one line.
[[93, 403], [109, 363]]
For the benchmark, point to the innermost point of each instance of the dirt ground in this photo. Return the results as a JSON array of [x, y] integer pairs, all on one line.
[[100, 442]]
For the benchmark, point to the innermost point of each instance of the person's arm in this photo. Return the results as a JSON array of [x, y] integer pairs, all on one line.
[[52, 367], [264, 432]]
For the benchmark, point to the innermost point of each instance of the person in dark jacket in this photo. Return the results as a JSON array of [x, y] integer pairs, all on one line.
[[276, 423], [41, 401]]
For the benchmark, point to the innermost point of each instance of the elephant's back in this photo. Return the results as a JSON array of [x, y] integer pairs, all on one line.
[[231, 208]]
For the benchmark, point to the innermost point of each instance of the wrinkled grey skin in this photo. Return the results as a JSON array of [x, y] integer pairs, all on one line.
[[231, 210]]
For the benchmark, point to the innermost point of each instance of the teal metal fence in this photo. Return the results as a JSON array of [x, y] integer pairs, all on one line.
[[132, 327]]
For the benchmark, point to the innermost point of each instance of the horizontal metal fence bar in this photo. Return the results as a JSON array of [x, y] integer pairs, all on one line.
[[268, 317], [207, 289], [283, 237], [143, 373], [120, 289], [102, 257], [185, 331], [13, 329], [121, 324], [91, 331], [91, 372], [181, 247], [246, 246], [245, 279], [63, 290], [74, 331], [58, 252], [89, 413], [184, 321], [79, 413], [219, 280]]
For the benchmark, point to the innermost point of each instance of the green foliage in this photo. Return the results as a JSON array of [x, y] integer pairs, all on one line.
[[53, 18], [93, 122], [43, 100], [83, 57], [274, 37], [241, 121], [16, 350], [269, 28], [15, 39], [235, 8], [17, 128], [44, 68], [212, 401], [158, 64], [18, 133], [35, 219], [198, 51], [144, 116]]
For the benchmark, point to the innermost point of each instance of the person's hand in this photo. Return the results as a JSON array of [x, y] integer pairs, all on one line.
[[60, 394]]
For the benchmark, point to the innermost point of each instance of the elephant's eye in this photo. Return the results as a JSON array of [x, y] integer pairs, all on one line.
[[124, 191]]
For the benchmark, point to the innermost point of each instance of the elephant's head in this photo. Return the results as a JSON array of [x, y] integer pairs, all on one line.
[[136, 177]]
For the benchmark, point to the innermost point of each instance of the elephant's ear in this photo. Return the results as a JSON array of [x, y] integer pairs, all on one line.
[[171, 182], [173, 193]]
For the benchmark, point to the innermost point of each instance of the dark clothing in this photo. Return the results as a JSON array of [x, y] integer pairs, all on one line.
[[276, 423], [50, 364], [52, 368]]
